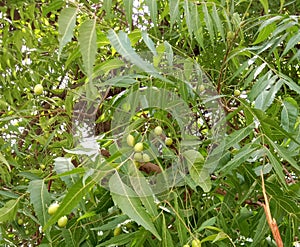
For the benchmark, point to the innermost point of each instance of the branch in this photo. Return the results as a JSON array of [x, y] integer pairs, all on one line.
[[271, 221]]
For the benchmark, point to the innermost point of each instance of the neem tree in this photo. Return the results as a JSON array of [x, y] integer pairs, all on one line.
[[149, 123]]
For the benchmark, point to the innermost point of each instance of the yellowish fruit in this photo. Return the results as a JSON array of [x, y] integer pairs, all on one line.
[[201, 88], [117, 231], [230, 35], [138, 157], [38, 89], [146, 158], [186, 245], [168, 141], [237, 92], [196, 243], [62, 222], [42, 167], [53, 208], [26, 232], [130, 140], [20, 222], [138, 147], [158, 130]]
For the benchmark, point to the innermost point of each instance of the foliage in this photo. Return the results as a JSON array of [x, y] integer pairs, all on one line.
[[115, 68]]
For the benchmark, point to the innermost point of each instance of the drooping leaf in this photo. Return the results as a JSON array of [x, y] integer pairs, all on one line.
[[152, 5], [265, 4], [166, 236], [289, 114], [88, 45], [149, 43], [174, 11], [40, 199], [66, 24], [68, 237], [128, 201], [9, 211], [122, 44], [128, 6]]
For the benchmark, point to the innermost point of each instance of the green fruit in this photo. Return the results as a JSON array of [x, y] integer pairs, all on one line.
[[230, 35], [38, 89], [53, 208], [168, 141], [26, 232], [237, 93], [201, 88], [138, 157], [20, 222], [196, 243], [186, 245], [146, 158], [42, 167], [130, 140], [62, 222], [158, 130], [117, 231], [138, 147]]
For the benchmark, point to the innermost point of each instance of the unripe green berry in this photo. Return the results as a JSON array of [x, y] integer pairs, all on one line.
[[117, 231], [237, 92], [158, 130], [130, 140], [53, 208], [138, 147], [20, 222], [138, 157], [38, 89], [146, 158], [168, 141], [196, 243], [62, 222]]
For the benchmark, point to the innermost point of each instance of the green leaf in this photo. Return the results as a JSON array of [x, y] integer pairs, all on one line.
[[128, 6], [285, 154], [218, 21], [239, 158], [265, 4], [122, 44], [289, 114], [130, 204], [264, 33], [292, 42], [143, 190], [200, 175], [40, 199], [174, 11], [179, 222], [166, 236], [111, 224], [209, 23], [149, 43], [276, 166], [66, 24], [88, 45], [71, 200], [120, 240], [266, 97], [152, 4], [9, 211], [188, 18], [68, 237]]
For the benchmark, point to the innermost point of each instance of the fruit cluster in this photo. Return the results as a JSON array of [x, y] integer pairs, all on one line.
[[62, 221], [138, 147]]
